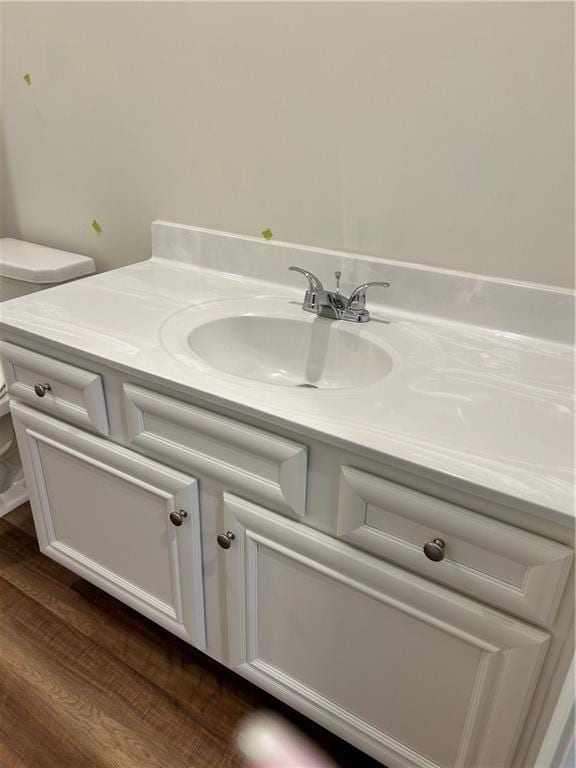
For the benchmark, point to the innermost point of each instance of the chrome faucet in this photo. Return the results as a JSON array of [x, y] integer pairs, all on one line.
[[333, 304]]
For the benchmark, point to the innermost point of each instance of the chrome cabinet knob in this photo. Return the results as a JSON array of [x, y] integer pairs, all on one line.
[[177, 518], [41, 389], [434, 550], [225, 539]]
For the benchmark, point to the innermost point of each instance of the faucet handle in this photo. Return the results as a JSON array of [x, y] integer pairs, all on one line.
[[314, 283], [357, 298], [338, 275]]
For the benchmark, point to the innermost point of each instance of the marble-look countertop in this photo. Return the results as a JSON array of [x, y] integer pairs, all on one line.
[[490, 407]]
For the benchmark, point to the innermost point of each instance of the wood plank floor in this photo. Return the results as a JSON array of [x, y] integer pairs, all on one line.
[[86, 682]]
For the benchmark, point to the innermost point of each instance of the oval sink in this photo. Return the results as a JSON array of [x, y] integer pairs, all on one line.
[[277, 344]]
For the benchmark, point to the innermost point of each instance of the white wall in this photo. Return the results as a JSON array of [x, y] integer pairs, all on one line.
[[432, 132]]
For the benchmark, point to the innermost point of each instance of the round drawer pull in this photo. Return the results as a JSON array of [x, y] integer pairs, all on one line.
[[177, 518], [434, 550], [225, 539], [41, 389]]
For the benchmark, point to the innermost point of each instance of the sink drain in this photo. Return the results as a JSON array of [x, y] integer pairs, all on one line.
[[307, 386]]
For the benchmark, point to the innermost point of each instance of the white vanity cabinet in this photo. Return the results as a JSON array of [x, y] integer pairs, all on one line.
[[413, 673], [106, 513], [421, 664]]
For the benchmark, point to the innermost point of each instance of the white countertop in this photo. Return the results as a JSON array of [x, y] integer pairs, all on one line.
[[490, 407]]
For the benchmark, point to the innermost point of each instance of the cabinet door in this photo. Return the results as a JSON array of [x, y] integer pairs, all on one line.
[[408, 671], [104, 512]]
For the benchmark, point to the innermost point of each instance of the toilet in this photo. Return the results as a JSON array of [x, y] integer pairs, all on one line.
[[26, 268]]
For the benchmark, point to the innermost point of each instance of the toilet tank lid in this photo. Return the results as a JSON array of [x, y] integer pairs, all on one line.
[[34, 263]]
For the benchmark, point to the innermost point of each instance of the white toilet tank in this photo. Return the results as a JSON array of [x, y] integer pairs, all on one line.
[[26, 268]]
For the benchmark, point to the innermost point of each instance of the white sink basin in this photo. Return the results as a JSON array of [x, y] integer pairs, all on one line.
[[274, 342]]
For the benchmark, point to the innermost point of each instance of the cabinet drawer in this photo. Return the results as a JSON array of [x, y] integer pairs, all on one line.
[[515, 570], [74, 395], [249, 461]]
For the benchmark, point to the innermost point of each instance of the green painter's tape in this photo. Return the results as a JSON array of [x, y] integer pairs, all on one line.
[[96, 227], [267, 234], [27, 79]]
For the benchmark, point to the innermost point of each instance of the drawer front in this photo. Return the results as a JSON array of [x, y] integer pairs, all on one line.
[[75, 395], [515, 570], [255, 464]]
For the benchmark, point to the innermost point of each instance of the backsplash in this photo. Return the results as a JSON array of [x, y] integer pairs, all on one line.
[[504, 305]]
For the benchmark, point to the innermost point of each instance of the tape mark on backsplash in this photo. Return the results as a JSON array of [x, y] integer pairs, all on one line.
[[27, 79], [96, 227], [267, 234]]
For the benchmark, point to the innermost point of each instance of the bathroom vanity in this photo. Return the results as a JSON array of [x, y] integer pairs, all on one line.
[[374, 522]]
